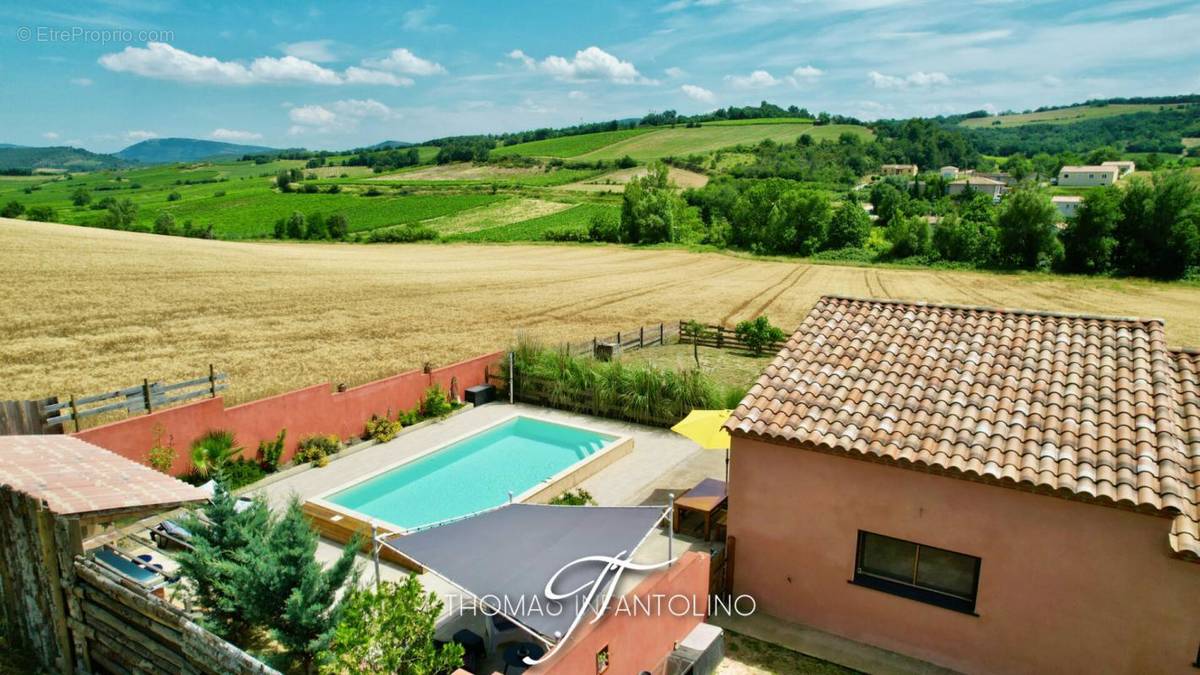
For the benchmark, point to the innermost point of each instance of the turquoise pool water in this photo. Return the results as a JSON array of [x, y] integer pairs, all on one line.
[[472, 474]]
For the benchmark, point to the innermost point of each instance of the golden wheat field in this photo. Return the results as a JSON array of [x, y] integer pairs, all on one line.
[[86, 310]]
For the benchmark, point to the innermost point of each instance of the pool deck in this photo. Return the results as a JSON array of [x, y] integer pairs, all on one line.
[[661, 462]]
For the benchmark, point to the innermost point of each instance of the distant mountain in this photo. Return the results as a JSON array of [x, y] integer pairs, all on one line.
[[57, 157], [10, 145], [171, 150], [388, 145]]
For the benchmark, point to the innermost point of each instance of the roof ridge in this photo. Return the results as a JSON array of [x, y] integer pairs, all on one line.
[[999, 310]]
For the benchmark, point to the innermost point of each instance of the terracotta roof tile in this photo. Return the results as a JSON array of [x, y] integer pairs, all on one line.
[[1090, 407], [75, 477]]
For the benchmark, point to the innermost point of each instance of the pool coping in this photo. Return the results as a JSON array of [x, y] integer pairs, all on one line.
[[542, 492]]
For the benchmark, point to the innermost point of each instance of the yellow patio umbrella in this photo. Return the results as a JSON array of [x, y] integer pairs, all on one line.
[[706, 428]]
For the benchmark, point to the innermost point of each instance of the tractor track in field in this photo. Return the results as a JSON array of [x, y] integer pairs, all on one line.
[[757, 294], [802, 274]]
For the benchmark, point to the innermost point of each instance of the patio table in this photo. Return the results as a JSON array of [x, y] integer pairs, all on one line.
[[706, 498]]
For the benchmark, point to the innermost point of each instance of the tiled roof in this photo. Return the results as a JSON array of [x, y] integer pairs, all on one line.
[[1076, 406], [1185, 532], [75, 477], [977, 180]]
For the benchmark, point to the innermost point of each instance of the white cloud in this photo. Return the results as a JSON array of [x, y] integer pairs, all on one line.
[[530, 105], [698, 93], [356, 75], [50, 135], [81, 81], [919, 79], [419, 20], [161, 61], [807, 73], [338, 117], [223, 134], [1052, 81], [677, 5], [320, 51], [139, 135], [592, 63], [403, 61], [674, 72], [577, 95], [759, 79]]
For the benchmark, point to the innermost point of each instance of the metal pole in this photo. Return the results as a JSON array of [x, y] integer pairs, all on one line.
[[510, 496], [670, 528], [375, 552]]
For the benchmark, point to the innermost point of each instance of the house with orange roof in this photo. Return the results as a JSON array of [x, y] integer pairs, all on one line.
[[988, 490]]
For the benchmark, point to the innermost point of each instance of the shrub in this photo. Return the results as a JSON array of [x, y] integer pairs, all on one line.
[[435, 403], [174, 196], [409, 417], [164, 223], [317, 449], [81, 197], [213, 451], [381, 429], [758, 334], [310, 189], [44, 214], [219, 193], [338, 225], [372, 192], [605, 226], [578, 497], [566, 233], [390, 629], [269, 452], [162, 456], [626, 162], [333, 189], [12, 209], [402, 234], [241, 472]]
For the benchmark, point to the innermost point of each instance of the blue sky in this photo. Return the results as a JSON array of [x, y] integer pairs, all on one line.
[[336, 76]]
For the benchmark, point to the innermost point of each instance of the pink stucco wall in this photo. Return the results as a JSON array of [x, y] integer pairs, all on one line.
[[317, 409], [1065, 586], [639, 642]]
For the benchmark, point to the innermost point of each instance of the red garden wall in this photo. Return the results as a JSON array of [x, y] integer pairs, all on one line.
[[312, 410]]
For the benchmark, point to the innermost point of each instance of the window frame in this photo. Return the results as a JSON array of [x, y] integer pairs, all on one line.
[[912, 590]]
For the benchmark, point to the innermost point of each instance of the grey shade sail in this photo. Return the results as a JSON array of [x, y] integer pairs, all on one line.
[[510, 553]]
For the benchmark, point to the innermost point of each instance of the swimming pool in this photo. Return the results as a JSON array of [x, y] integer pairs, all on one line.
[[518, 456]]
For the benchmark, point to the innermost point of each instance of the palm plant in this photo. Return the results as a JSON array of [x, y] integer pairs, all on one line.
[[212, 451]]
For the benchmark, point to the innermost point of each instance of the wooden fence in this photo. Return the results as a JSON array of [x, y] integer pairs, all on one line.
[[74, 616], [24, 418], [141, 398], [628, 340], [711, 335]]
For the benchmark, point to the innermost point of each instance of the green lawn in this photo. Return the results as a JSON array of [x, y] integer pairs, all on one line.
[[728, 367], [569, 146], [579, 215]]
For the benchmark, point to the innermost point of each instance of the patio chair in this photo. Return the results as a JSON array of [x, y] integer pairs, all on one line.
[[168, 533], [500, 630]]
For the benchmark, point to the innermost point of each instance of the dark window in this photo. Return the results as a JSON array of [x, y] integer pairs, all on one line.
[[933, 575]]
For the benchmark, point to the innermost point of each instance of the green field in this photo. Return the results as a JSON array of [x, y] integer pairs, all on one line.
[[569, 146], [765, 120], [579, 215], [1066, 115], [682, 141]]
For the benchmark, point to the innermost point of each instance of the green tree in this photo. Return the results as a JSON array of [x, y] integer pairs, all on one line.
[[121, 214], [287, 589], [1028, 235], [758, 334], [296, 225], [1158, 234], [850, 226], [1045, 165], [1018, 166], [165, 223], [339, 226], [390, 630], [958, 239], [651, 210], [810, 216], [81, 197], [909, 236], [316, 229], [283, 180], [213, 566], [1089, 241], [888, 202]]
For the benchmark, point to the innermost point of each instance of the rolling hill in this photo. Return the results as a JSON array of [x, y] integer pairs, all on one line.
[[646, 143], [171, 150], [56, 157], [1068, 115]]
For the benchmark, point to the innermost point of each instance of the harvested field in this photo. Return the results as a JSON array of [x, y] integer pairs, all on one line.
[[86, 309], [617, 180], [460, 171], [506, 212]]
